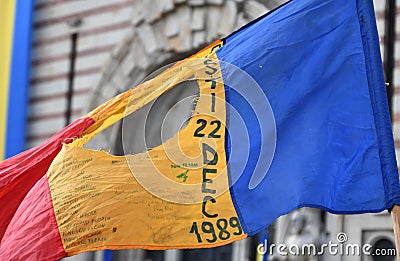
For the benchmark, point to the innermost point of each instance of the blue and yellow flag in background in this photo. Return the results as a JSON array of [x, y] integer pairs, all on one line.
[[15, 33]]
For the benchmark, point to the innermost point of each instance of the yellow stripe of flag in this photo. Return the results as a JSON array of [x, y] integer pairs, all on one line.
[[7, 11]]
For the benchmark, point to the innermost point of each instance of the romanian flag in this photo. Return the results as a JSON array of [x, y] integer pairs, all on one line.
[[15, 33], [292, 112]]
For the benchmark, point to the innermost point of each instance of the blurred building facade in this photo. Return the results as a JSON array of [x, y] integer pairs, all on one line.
[[117, 43]]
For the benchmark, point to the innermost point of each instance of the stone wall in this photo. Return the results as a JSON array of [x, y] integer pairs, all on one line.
[[105, 23]]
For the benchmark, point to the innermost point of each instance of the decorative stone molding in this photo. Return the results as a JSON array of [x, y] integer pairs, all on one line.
[[161, 33]]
